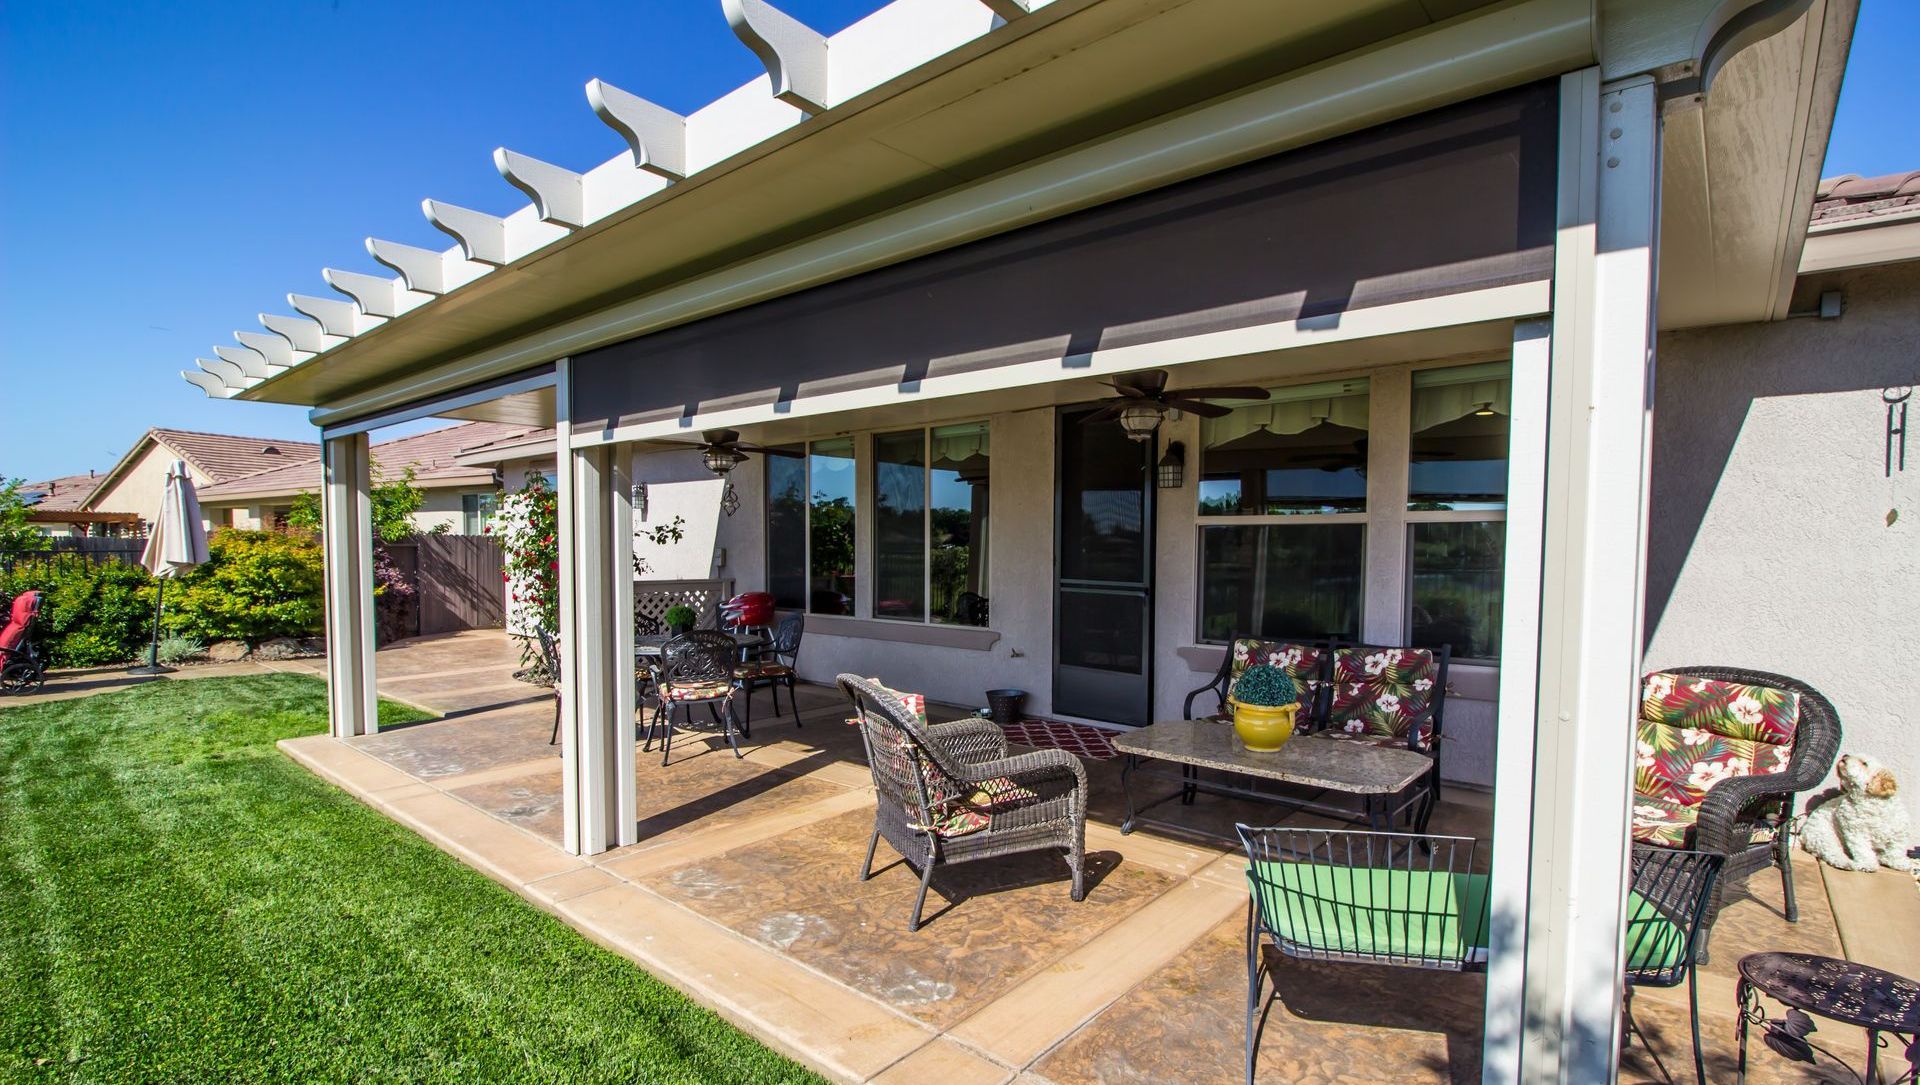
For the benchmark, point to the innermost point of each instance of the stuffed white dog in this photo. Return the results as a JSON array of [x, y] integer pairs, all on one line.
[[1863, 827]]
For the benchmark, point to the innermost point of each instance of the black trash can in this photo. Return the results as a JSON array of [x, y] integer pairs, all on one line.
[[1006, 706]]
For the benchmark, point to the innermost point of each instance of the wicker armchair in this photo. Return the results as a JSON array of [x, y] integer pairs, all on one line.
[[948, 793], [1746, 814]]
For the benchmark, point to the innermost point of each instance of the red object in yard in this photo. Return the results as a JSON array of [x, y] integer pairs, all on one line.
[[19, 620], [748, 610]]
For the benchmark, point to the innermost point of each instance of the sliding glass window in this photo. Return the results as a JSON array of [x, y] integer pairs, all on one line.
[[830, 526], [930, 524], [1456, 507], [787, 527]]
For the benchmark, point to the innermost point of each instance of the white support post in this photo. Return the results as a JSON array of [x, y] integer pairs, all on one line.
[[573, 781], [1592, 590], [596, 643], [347, 534]]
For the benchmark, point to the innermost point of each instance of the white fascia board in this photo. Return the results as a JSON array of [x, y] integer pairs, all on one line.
[[1467, 58], [1889, 240], [1518, 301]]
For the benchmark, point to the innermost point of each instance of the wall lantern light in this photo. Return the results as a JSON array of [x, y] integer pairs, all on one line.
[[1169, 473]]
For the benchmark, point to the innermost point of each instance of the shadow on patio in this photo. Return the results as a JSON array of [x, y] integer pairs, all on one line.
[[745, 877]]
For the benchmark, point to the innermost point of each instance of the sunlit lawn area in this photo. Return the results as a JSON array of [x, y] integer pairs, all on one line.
[[179, 902]]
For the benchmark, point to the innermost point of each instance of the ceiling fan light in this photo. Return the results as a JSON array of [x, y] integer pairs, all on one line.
[[1483, 410], [1141, 419], [722, 459]]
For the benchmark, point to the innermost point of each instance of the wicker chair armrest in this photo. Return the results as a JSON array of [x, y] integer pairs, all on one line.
[[1038, 764], [1728, 805], [970, 740]]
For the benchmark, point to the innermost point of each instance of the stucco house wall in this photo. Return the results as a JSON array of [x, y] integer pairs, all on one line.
[[139, 488], [1779, 541]]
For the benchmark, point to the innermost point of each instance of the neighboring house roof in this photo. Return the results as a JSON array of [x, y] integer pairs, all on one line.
[[64, 494], [531, 443], [216, 456], [1863, 221], [431, 455], [1851, 196]]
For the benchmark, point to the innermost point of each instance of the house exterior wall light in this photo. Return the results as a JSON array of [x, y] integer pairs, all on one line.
[[1169, 474]]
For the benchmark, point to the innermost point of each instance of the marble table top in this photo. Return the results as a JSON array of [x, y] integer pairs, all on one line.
[[1316, 760]]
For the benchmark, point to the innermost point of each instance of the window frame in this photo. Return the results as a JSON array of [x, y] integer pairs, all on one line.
[[926, 514], [1413, 517]]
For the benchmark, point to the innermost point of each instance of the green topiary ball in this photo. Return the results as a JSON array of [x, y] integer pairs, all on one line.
[[1265, 685]]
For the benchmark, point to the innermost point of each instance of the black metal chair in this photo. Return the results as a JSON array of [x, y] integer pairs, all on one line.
[[774, 667], [696, 668], [1406, 900], [1307, 662], [1666, 912], [948, 793], [550, 659]]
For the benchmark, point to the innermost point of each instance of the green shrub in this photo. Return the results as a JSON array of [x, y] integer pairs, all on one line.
[[90, 615], [256, 585], [179, 649], [679, 615], [1265, 685]]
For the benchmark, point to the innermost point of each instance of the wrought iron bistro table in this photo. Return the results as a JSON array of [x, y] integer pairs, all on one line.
[[1853, 994], [650, 645], [1375, 775]]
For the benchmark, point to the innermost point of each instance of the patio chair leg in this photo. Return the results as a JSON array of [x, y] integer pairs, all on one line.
[[1255, 975], [919, 902], [727, 724], [1633, 1029], [866, 868], [1693, 1012], [666, 744], [746, 694], [556, 720], [793, 702], [1783, 855]]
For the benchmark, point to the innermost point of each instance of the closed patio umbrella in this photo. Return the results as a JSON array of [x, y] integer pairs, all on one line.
[[176, 543]]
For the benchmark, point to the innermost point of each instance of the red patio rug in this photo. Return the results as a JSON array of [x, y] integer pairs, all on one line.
[[1075, 738]]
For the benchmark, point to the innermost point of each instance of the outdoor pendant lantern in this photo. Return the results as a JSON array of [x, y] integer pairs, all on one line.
[[1141, 419], [721, 459], [1171, 466]]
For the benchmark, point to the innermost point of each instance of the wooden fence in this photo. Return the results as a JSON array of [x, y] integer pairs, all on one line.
[[72, 548], [457, 580]]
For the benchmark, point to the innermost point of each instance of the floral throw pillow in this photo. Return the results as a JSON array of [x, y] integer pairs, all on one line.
[[1382, 691], [1695, 732], [1300, 661]]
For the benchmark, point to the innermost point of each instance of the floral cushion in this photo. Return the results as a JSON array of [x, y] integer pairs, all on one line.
[[1302, 663], [952, 813], [1695, 732], [695, 691], [975, 812], [1662, 822], [1383, 691], [765, 668]]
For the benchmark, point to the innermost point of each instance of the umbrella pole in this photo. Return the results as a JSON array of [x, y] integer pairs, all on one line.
[[153, 650]]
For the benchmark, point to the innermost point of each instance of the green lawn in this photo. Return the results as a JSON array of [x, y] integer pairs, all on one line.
[[179, 902]]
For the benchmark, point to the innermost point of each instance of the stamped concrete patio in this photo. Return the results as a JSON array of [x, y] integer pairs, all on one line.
[[743, 893]]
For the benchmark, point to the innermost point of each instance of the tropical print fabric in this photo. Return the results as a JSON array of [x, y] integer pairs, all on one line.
[[1663, 823], [1302, 662], [950, 811], [695, 691], [1384, 691], [1695, 732]]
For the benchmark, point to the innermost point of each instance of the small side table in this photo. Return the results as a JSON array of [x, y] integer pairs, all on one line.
[[1853, 994]]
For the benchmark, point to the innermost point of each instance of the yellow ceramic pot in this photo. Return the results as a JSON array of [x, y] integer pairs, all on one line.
[[1263, 728]]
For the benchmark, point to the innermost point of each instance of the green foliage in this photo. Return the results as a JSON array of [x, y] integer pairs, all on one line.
[[181, 902], [1265, 685], [180, 649], [394, 503], [679, 615], [15, 533], [90, 615], [256, 585]]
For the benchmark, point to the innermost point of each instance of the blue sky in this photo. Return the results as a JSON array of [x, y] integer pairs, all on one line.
[[169, 170]]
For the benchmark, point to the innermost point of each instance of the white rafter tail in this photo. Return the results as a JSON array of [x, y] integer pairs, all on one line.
[[277, 351], [657, 135], [426, 270], [250, 362], [305, 333], [491, 239], [225, 372], [795, 54], [1012, 9], [558, 193], [376, 295], [213, 386], [336, 317]]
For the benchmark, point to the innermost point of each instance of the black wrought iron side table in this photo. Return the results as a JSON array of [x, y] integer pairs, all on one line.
[[1885, 1005]]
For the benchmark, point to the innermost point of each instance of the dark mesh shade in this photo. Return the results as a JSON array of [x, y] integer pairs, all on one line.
[[1454, 200]]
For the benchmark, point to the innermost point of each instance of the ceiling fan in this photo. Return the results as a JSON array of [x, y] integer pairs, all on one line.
[[721, 451], [1144, 401]]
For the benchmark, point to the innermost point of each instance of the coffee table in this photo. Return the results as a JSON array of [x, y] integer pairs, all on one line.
[[1870, 998], [1383, 779]]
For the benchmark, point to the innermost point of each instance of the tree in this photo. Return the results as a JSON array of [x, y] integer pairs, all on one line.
[[15, 532], [394, 503]]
